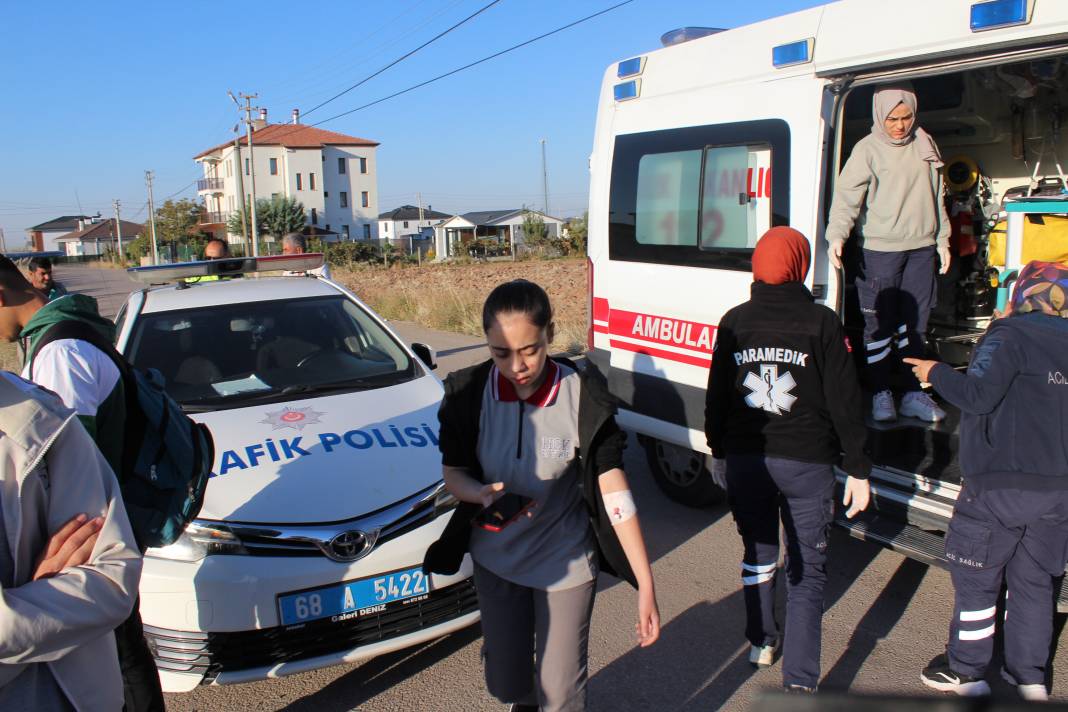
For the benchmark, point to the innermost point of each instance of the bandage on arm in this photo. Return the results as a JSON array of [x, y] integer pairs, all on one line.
[[620, 506]]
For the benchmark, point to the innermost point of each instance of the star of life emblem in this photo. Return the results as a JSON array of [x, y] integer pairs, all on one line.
[[769, 390], [296, 418]]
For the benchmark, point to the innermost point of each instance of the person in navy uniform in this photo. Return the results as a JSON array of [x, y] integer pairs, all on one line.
[[1010, 522], [783, 401]]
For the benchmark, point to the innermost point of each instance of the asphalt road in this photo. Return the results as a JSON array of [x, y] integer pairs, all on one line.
[[886, 617]]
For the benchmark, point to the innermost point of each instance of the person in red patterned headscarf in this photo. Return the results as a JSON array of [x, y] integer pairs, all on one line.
[[783, 403], [1010, 522]]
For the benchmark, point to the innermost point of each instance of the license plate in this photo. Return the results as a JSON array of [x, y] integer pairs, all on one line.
[[353, 598]]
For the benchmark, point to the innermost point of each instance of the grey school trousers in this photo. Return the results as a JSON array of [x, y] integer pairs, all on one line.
[[535, 642]]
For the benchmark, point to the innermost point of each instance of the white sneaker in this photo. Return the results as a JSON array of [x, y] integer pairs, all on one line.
[[918, 404], [763, 655], [1033, 693], [882, 406]]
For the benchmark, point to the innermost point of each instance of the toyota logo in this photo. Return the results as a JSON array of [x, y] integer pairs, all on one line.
[[349, 546]]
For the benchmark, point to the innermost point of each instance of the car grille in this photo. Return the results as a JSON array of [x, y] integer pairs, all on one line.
[[209, 654]]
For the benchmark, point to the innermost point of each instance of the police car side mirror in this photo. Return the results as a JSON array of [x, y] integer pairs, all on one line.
[[425, 354]]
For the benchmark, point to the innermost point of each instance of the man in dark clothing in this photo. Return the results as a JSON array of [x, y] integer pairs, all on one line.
[[1011, 518], [783, 401], [88, 381]]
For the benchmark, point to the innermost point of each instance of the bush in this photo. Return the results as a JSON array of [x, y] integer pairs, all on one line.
[[344, 254]]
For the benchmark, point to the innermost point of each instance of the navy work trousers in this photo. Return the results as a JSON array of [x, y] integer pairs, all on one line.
[[761, 490], [896, 292], [1019, 537]]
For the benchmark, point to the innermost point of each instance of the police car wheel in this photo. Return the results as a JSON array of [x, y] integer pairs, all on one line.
[[681, 474]]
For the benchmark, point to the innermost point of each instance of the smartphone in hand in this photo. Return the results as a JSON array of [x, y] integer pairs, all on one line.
[[507, 509]]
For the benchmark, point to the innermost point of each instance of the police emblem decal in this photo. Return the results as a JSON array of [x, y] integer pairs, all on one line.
[[296, 418]]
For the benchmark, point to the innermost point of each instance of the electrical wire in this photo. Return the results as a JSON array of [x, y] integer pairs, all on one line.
[[475, 63], [403, 57]]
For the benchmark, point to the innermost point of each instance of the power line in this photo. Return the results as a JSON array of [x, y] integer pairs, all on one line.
[[397, 61], [476, 63]]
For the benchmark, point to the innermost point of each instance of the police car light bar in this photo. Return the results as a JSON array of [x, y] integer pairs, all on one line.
[[627, 90], [160, 274], [1001, 13], [788, 55]]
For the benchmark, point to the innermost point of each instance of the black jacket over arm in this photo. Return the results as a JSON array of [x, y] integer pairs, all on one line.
[[783, 382], [601, 449]]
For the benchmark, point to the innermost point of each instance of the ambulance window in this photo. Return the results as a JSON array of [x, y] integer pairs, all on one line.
[[735, 205], [698, 196], [667, 198]]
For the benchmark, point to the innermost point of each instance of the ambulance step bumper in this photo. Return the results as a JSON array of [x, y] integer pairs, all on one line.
[[915, 543]]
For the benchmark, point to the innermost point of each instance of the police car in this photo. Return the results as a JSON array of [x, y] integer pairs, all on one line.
[[326, 489]]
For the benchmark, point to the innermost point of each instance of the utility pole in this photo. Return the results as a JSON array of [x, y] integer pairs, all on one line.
[[252, 167], [118, 228], [419, 199], [152, 217], [3, 241], [544, 179], [241, 190]]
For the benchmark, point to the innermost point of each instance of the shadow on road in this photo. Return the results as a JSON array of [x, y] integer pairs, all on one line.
[[690, 667], [382, 673], [881, 617]]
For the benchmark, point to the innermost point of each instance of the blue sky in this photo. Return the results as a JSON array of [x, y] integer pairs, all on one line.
[[95, 93]]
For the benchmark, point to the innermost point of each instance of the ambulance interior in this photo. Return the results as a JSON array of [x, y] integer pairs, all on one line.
[[1000, 131]]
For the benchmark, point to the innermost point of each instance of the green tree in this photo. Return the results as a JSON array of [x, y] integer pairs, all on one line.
[[233, 223], [281, 215], [535, 234], [577, 234], [178, 221]]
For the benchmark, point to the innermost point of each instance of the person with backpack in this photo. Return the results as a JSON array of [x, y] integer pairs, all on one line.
[[783, 402], [1010, 521], [89, 381], [531, 448], [69, 565]]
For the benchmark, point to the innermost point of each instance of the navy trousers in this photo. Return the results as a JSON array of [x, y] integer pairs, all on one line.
[[896, 292], [761, 491], [1019, 537]]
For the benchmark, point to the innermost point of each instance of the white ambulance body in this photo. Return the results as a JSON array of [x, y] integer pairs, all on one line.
[[700, 146]]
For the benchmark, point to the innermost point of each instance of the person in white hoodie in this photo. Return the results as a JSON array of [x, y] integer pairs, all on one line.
[[69, 565]]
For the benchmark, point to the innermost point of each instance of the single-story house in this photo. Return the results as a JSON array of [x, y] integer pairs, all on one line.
[[96, 238], [409, 221], [44, 237], [454, 237]]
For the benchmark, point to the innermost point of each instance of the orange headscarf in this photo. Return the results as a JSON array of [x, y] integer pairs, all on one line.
[[781, 255]]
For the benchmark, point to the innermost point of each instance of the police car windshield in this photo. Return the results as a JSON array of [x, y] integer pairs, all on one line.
[[236, 354]]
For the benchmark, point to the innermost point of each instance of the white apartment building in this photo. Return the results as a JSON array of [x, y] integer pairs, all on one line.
[[333, 175]]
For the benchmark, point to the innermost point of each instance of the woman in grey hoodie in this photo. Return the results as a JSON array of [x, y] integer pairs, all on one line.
[[890, 194]]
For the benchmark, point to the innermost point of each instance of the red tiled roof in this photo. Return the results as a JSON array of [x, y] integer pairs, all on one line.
[[294, 136]]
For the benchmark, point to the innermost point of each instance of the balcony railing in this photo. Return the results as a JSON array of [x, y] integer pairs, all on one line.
[[212, 184], [211, 217]]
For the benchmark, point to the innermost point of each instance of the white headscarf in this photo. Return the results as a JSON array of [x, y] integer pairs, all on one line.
[[885, 101]]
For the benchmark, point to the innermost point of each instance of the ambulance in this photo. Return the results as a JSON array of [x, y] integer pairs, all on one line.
[[703, 144]]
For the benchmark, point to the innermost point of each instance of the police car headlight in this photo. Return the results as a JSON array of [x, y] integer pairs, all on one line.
[[444, 502], [200, 539]]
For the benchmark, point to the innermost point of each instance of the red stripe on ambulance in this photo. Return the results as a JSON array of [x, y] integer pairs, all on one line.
[[661, 353]]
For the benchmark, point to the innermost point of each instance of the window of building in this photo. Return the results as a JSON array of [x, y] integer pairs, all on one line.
[[229, 169], [344, 198], [300, 185], [341, 166], [405, 222], [315, 216], [246, 166], [274, 166], [366, 232], [328, 227], [275, 195], [698, 196], [364, 199], [345, 231], [311, 181], [363, 165], [326, 193], [385, 227]]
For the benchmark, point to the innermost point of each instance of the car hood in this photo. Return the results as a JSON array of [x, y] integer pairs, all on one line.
[[323, 459]]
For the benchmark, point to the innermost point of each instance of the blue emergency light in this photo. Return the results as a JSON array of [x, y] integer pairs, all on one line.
[[229, 266], [627, 90], [1000, 13], [630, 67], [787, 55]]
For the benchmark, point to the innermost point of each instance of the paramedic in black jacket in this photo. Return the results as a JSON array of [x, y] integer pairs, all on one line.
[[1010, 522], [783, 402]]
